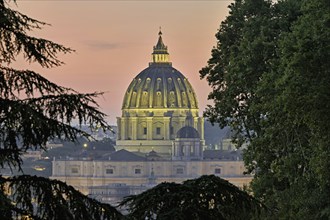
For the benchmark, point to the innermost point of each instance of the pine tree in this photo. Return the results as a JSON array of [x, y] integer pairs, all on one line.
[[34, 110], [207, 197]]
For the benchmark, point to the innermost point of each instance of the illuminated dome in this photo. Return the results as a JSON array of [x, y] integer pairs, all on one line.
[[157, 104], [160, 85]]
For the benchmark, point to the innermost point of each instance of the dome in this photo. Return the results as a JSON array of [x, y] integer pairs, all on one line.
[[160, 86], [187, 132], [157, 104]]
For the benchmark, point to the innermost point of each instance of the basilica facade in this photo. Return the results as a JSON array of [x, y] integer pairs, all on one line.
[[160, 138]]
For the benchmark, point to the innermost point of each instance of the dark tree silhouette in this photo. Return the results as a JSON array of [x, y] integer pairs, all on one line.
[[207, 197], [270, 78], [32, 111]]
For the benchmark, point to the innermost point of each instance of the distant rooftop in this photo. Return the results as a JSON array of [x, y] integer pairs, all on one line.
[[124, 155], [222, 155]]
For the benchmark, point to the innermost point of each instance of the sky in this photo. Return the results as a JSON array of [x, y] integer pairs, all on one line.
[[113, 42]]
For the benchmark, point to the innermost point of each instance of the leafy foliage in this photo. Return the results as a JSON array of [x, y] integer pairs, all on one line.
[[208, 197], [270, 79], [32, 111]]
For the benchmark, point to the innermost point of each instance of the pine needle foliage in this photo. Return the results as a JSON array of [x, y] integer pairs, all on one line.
[[14, 28], [34, 110], [207, 197], [40, 198]]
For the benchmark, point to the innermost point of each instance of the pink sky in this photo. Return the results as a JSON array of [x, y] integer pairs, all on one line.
[[114, 39]]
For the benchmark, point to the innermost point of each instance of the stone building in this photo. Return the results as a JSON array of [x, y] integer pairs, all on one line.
[[160, 138]]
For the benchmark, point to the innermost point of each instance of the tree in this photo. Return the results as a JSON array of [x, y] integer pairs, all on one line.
[[246, 40], [270, 79], [207, 197], [34, 110]]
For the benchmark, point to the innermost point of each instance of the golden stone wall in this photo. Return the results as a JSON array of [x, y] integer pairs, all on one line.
[[83, 174], [144, 130]]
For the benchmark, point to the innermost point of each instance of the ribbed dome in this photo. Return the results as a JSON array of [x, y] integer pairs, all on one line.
[[160, 86], [187, 132], [157, 104]]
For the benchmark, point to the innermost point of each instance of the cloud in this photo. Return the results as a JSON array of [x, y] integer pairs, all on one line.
[[99, 45]]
